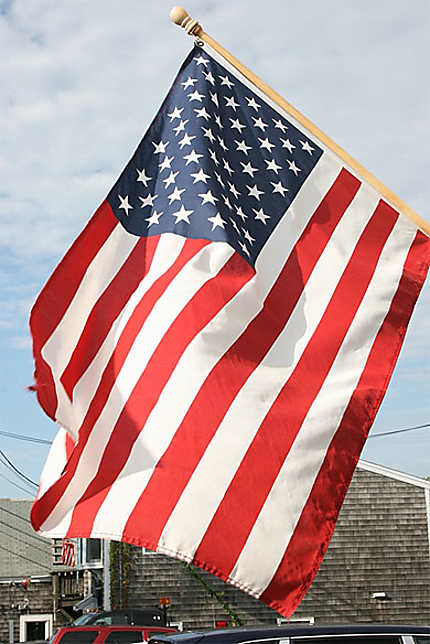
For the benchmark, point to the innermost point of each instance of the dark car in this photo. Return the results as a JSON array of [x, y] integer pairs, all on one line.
[[289, 634], [107, 634], [131, 616]]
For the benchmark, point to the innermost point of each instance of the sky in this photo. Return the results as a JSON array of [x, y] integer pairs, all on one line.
[[81, 82]]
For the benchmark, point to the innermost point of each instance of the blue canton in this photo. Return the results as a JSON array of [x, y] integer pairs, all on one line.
[[217, 163]]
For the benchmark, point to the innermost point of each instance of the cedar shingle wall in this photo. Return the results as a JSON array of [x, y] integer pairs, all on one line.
[[380, 544]]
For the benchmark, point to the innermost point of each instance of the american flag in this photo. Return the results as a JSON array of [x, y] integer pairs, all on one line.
[[68, 553], [219, 338]]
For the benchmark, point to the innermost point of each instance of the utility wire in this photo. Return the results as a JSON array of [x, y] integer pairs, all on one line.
[[16, 485], [22, 437], [17, 470], [36, 537], [399, 431], [15, 554], [14, 514], [25, 543]]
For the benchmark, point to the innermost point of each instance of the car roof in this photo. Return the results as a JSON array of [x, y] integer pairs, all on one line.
[[232, 635], [119, 627]]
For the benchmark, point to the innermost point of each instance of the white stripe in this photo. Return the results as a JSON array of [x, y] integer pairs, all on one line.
[[61, 344], [196, 272], [204, 352], [166, 253], [287, 498], [242, 421], [55, 462]]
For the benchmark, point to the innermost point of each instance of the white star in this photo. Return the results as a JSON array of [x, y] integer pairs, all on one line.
[[214, 98], [154, 218], [176, 114], [143, 177], [196, 96], [293, 167], [260, 123], [254, 192], [241, 214], [244, 248], [186, 140], [236, 125], [170, 179], [160, 147], [217, 220], [278, 187], [209, 78], [247, 167], [148, 201], [227, 202], [252, 103], [241, 145], [182, 215], [175, 195], [280, 125], [200, 176], [209, 134], [306, 147], [265, 143], [222, 144], [233, 189], [166, 163], [218, 122], [286, 143], [227, 167], [235, 226], [189, 82], [203, 113], [213, 156], [180, 128], [272, 165], [124, 204], [201, 61], [230, 102], [208, 197], [219, 179], [260, 215], [247, 236], [192, 157], [226, 81]]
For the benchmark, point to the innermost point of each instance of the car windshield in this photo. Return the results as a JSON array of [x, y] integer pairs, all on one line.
[[83, 619]]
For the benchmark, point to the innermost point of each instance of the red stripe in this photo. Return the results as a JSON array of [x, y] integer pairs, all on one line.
[[44, 506], [57, 294], [270, 447], [228, 376], [107, 309], [205, 304], [311, 537]]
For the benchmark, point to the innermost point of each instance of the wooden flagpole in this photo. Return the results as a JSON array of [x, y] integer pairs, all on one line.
[[180, 17]]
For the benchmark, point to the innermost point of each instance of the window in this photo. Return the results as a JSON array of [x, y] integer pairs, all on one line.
[[352, 639], [124, 637], [32, 627], [79, 637], [90, 553]]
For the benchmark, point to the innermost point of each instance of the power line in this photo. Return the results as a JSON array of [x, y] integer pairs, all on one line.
[[15, 554], [14, 514], [21, 474], [22, 437], [25, 543], [16, 484], [36, 537], [399, 431]]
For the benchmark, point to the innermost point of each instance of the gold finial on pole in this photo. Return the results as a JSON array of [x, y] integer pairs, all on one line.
[[180, 17]]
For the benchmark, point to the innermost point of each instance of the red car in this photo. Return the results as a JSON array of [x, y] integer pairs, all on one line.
[[107, 634]]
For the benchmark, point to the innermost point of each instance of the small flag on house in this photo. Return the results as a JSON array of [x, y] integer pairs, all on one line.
[[68, 553], [219, 338]]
